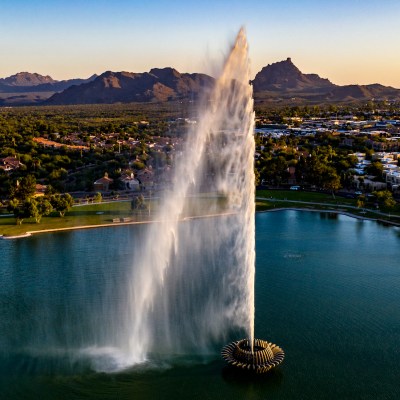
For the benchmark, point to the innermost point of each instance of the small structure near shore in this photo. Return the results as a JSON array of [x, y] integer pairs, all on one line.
[[103, 184]]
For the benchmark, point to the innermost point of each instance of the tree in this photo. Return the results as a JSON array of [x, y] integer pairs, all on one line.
[[385, 198], [376, 169], [138, 203], [257, 179], [98, 197], [14, 207], [24, 188], [138, 165], [44, 207], [330, 180], [361, 201], [49, 191], [275, 170], [62, 203], [27, 209], [58, 174]]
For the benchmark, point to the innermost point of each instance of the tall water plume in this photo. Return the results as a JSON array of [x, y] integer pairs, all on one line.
[[192, 282]]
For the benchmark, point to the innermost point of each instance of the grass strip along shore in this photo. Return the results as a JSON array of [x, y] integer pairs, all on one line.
[[120, 213]]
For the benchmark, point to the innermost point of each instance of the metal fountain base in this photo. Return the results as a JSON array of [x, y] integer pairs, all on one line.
[[264, 356]]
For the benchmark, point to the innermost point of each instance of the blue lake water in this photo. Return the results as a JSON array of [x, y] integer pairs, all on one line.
[[327, 292]]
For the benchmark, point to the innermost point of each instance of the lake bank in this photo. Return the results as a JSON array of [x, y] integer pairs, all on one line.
[[128, 221], [116, 213], [348, 214], [109, 225]]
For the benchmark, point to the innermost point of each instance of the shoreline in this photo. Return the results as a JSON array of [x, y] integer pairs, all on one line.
[[109, 225], [27, 234], [116, 224], [346, 213]]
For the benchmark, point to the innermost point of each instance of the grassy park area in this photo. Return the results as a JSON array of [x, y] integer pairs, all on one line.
[[275, 199], [107, 213], [82, 215], [295, 195], [120, 212]]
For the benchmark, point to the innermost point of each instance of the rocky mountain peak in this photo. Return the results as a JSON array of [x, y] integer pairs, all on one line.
[[284, 75], [27, 79], [165, 73]]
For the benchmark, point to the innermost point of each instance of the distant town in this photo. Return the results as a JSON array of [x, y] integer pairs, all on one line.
[[112, 152], [358, 151]]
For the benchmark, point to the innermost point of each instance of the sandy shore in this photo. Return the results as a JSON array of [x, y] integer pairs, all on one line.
[[27, 234]]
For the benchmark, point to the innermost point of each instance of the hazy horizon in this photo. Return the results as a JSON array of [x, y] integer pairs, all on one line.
[[347, 42]]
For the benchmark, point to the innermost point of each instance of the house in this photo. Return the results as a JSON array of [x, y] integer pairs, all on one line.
[[10, 164], [372, 185], [130, 182], [103, 184], [393, 177], [146, 178], [40, 190], [292, 175], [347, 142]]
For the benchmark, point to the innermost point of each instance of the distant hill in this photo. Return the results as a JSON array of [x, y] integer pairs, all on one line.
[[283, 81], [159, 84], [32, 88], [26, 79], [361, 92], [284, 76]]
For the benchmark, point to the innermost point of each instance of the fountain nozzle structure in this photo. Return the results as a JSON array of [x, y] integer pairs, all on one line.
[[259, 359]]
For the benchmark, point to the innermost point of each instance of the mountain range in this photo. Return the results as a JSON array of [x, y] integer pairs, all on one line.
[[278, 82], [159, 84], [25, 88]]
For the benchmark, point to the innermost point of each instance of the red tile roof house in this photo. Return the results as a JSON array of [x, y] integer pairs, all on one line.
[[40, 190], [10, 163], [103, 184]]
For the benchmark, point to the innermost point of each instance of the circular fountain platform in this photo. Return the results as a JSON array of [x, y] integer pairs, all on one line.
[[264, 356]]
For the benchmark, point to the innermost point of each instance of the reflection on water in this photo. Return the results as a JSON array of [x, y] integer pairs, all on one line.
[[245, 378], [329, 215]]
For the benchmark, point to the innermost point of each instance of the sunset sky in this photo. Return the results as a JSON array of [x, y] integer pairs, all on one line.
[[347, 41]]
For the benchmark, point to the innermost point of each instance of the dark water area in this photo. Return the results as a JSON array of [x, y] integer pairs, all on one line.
[[327, 292]]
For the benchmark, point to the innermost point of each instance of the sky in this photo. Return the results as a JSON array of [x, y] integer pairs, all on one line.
[[347, 41]]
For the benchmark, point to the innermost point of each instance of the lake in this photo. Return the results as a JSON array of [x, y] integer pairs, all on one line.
[[327, 292]]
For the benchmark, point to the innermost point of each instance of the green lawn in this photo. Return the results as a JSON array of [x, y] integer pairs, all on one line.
[[304, 196], [105, 213], [91, 214], [270, 199]]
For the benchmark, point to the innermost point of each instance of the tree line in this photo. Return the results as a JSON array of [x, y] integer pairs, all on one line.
[[24, 204]]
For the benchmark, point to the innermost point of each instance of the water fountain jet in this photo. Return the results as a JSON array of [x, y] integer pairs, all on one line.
[[252, 354], [172, 307]]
